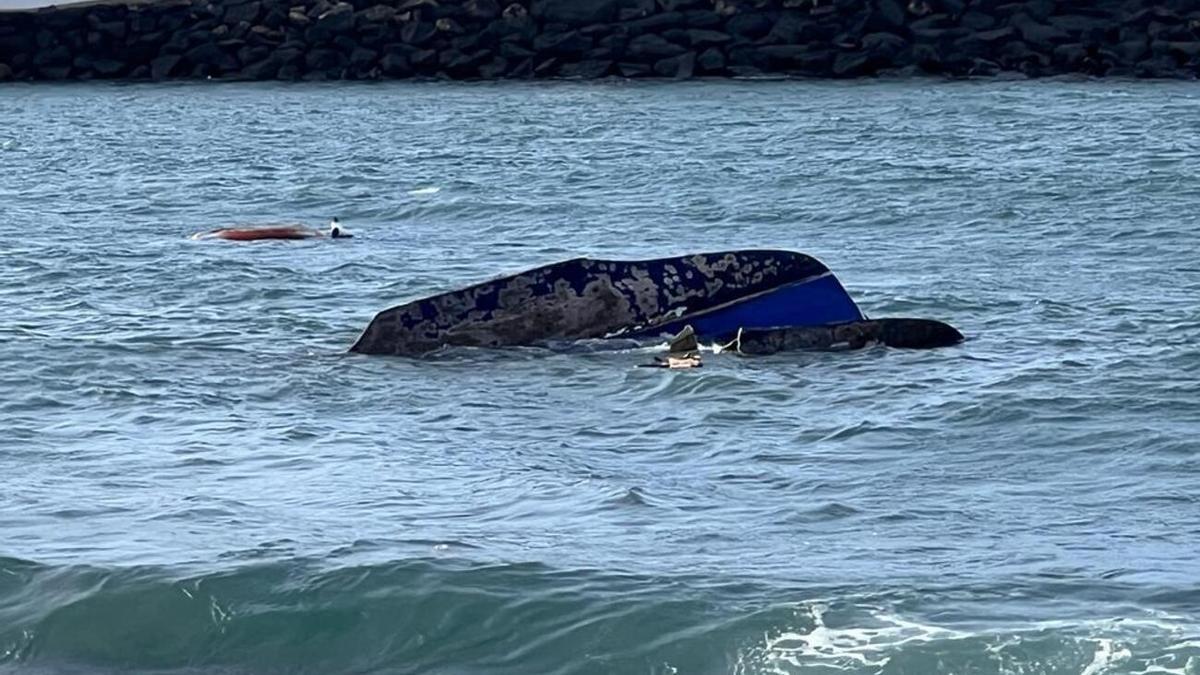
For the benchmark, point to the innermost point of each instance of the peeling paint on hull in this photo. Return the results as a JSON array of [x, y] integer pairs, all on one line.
[[587, 299]]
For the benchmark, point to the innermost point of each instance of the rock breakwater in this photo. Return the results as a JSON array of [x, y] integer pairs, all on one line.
[[492, 39]]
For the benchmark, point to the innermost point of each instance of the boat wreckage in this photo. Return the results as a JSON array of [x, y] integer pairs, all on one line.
[[749, 302]]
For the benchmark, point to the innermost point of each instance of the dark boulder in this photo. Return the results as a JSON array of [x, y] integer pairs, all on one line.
[[363, 59], [749, 26], [247, 12], [652, 47], [711, 61], [1039, 35], [701, 38], [585, 70], [395, 64], [888, 15], [417, 33], [322, 59], [852, 64], [575, 12], [791, 28], [977, 21], [6, 72], [57, 56], [683, 5], [654, 23], [375, 14], [515, 52], [164, 66], [565, 44], [482, 10], [634, 69], [266, 69], [331, 23], [679, 67], [701, 18], [884, 46], [494, 68], [1070, 56], [997, 36]]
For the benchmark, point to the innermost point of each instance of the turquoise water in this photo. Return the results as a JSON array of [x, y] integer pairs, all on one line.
[[195, 477]]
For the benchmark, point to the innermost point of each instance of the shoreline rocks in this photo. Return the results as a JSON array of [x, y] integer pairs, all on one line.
[[588, 39]]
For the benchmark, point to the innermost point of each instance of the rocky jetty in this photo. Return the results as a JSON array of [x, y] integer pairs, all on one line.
[[492, 39]]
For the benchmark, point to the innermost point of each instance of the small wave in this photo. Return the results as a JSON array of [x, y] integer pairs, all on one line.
[[420, 192]]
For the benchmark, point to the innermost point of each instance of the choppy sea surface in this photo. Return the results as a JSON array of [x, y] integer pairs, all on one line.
[[196, 477]]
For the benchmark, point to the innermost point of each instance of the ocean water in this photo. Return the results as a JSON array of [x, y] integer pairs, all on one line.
[[196, 477]]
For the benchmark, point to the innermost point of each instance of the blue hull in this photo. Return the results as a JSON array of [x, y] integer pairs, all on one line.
[[820, 301]]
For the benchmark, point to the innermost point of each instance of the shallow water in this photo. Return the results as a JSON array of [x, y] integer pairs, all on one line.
[[194, 476]]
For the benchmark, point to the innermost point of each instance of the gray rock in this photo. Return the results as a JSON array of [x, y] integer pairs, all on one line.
[[1189, 49], [655, 23], [706, 38], [1070, 55], [395, 64], [482, 10], [679, 67], [363, 58], [546, 68], [322, 59], [164, 66], [248, 12], [992, 37], [790, 28], [711, 61], [852, 64], [566, 44], [515, 52], [977, 21], [417, 33], [749, 26], [652, 47], [575, 12], [701, 18], [682, 5], [331, 23], [1039, 34], [889, 14], [494, 68], [883, 45], [634, 69], [586, 70], [375, 14], [108, 68]]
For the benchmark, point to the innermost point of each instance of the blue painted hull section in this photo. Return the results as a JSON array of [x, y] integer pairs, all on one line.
[[815, 302]]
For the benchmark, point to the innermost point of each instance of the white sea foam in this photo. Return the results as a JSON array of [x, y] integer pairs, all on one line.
[[425, 191]]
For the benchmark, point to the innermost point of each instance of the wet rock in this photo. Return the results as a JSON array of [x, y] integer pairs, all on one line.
[[679, 67], [6, 72], [324, 59], [567, 44], [586, 70], [482, 10], [334, 22], [494, 68], [701, 18], [575, 12], [700, 38], [652, 47], [375, 14], [681, 5], [1070, 55], [515, 52], [888, 15], [634, 69], [164, 66], [791, 28], [749, 26], [655, 23], [711, 61], [247, 12], [977, 21], [999, 35], [884, 46], [417, 33], [1039, 35], [395, 64], [852, 64]]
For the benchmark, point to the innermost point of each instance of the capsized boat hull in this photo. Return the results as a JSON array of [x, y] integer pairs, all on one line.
[[286, 232], [584, 298]]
